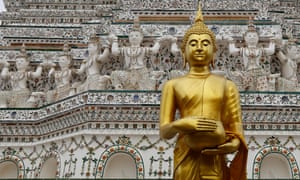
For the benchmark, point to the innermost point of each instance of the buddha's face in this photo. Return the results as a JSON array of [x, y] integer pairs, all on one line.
[[21, 63], [135, 38], [64, 61], [199, 50], [251, 38]]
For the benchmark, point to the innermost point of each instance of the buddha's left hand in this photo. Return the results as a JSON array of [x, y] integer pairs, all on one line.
[[228, 147]]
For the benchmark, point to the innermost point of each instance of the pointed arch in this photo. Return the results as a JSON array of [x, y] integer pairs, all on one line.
[[113, 150], [51, 158], [11, 160], [283, 152]]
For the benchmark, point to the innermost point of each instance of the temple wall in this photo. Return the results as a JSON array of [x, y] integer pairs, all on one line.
[[115, 133]]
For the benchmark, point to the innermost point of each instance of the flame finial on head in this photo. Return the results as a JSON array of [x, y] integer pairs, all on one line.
[[23, 49], [136, 25], [66, 49], [251, 26], [199, 16], [23, 53], [94, 38]]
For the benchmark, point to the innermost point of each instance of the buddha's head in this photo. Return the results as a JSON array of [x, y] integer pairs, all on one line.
[[199, 42], [136, 34]]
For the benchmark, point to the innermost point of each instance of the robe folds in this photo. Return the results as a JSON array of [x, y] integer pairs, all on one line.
[[213, 97]]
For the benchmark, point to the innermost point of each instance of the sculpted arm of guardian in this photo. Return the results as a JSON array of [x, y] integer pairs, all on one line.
[[282, 57], [104, 56], [270, 49], [298, 58], [5, 70], [115, 50], [37, 73], [156, 46], [174, 48], [82, 69], [232, 48]]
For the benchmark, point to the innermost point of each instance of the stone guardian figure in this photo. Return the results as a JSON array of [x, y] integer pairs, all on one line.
[[135, 75], [289, 59], [255, 78], [20, 91], [92, 65]]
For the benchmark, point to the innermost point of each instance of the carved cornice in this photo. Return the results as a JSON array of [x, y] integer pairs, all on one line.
[[137, 111]]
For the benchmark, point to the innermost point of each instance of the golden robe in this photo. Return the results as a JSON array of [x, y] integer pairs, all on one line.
[[213, 97]]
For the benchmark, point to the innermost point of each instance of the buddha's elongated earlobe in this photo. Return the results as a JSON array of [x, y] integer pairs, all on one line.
[[184, 61], [212, 64]]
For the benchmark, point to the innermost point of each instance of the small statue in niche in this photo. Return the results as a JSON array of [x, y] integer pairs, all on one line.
[[289, 58], [20, 91], [92, 65], [135, 74], [254, 77]]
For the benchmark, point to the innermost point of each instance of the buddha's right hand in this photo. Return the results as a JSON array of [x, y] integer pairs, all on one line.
[[195, 124]]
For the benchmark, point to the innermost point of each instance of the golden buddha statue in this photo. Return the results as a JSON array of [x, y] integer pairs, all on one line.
[[210, 124]]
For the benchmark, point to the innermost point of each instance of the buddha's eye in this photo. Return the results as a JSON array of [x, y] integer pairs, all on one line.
[[205, 43], [192, 43]]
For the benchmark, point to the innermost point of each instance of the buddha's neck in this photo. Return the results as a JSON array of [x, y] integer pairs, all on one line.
[[199, 70]]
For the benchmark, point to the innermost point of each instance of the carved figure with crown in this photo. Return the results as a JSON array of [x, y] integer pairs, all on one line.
[[135, 74], [289, 58], [20, 92], [63, 76], [254, 76], [92, 64]]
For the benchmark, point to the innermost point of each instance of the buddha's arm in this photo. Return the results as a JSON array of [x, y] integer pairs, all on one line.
[[232, 121], [169, 127], [231, 145], [167, 112]]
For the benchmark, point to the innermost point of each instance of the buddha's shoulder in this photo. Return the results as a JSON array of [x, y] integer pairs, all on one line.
[[221, 79]]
